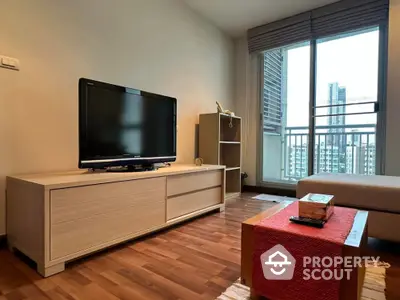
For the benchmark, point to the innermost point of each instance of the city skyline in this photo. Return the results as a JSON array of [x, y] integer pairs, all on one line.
[[347, 72], [351, 61]]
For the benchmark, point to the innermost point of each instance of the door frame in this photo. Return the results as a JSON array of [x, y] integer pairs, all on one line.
[[381, 113]]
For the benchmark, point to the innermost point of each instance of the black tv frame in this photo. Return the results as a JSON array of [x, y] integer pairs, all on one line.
[[118, 161]]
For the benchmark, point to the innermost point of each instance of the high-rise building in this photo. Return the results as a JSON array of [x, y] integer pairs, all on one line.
[[274, 111], [337, 118], [367, 162], [337, 122], [326, 160], [274, 89], [297, 165]]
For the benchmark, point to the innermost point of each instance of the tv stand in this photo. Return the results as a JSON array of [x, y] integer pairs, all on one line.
[[54, 218], [137, 168]]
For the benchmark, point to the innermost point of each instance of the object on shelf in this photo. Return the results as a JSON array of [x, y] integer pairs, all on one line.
[[198, 161], [227, 112]]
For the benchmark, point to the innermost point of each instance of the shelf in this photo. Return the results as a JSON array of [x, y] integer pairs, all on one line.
[[233, 182], [229, 116], [227, 133], [229, 142], [232, 169], [229, 155]]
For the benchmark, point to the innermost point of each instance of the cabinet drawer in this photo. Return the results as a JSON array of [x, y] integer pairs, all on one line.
[[180, 184], [82, 202], [185, 204], [90, 216]]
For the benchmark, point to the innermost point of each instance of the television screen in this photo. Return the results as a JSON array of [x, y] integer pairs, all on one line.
[[123, 126]]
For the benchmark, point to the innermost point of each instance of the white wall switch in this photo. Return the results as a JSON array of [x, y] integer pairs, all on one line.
[[9, 63]]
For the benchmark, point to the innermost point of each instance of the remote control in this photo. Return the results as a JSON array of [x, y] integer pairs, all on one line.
[[308, 222]]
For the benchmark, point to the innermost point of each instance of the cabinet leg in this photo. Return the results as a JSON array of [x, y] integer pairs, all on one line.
[[49, 271], [222, 208]]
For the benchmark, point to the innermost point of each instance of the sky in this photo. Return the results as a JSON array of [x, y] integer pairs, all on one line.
[[351, 61]]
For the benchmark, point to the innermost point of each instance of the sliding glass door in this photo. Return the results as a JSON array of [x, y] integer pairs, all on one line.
[[285, 102], [320, 107], [346, 103]]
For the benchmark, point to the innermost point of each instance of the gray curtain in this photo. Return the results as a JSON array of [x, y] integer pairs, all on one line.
[[339, 17]]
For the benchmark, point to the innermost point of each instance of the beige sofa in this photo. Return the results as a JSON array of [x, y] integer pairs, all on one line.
[[380, 195]]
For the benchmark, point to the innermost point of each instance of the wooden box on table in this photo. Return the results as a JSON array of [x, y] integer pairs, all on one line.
[[316, 206]]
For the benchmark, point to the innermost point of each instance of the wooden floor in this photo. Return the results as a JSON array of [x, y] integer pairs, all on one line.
[[196, 260]]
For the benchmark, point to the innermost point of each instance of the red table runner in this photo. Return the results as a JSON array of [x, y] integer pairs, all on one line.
[[300, 241]]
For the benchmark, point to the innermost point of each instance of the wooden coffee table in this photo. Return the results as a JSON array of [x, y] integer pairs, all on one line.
[[354, 246]]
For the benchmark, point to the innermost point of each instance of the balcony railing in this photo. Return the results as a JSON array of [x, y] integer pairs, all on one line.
[[347, 149]]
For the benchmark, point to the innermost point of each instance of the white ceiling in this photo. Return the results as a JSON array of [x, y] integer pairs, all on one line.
[[236, 16]]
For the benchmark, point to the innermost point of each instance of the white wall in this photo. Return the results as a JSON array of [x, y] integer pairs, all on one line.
[[393, 93], [245, 95], [156, 45]]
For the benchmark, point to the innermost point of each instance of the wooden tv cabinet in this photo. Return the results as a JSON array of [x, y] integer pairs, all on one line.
[[55, 218]]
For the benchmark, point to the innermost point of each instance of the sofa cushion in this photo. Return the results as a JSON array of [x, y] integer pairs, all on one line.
[[380, 193]]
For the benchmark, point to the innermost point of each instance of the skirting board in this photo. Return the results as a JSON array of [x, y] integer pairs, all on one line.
[[270, 191]]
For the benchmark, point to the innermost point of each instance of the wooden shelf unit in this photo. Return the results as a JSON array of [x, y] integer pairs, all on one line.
[[219, 144]]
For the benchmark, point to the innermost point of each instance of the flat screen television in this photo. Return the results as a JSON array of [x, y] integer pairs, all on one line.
[[121, 126]]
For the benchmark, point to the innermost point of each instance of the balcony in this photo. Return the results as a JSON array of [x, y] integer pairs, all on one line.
[[347, 149]]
